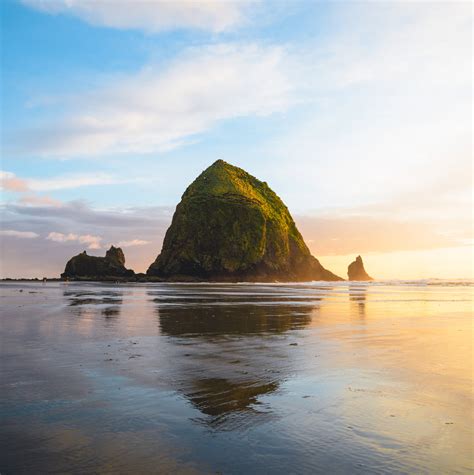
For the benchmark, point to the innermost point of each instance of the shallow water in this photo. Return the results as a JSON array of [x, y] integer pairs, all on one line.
[[236, 378]]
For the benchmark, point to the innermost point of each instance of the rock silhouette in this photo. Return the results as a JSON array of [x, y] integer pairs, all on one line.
[[115, 255], [110, 267], [356, 270], [230, 226]]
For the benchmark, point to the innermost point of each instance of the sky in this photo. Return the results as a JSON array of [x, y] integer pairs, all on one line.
[[357, 114]]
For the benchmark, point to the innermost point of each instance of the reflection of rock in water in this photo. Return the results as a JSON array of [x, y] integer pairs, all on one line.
[[107, 302], [231, 348], [215, 319], [219, 397], [358, 295], [110, 312]]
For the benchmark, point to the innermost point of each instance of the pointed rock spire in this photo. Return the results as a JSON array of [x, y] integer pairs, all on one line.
[[356, 271]]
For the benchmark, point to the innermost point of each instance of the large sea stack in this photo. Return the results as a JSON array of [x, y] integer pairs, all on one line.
[[229, 226], [110, 267], [356, 270]]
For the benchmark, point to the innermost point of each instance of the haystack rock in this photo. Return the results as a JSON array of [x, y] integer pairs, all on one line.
[[356, 270], [110, 267], [229, 226]]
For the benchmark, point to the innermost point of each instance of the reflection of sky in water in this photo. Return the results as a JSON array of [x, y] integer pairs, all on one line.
[[236, 378]]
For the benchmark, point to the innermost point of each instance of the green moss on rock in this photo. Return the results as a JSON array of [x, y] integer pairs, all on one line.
[[231, 226]]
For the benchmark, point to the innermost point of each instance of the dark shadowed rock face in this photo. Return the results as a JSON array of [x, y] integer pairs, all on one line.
[[230, 226], [115, 255], [110, 267], [356, 270]]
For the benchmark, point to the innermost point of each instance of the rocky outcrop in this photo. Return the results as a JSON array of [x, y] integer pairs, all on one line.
[[229, 226], [110, 267], [115, 256], [356, 270]]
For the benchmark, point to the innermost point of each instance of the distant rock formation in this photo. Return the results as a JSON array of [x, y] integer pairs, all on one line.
[[229, 226], [356, 270], [110, 267], [116, 256]]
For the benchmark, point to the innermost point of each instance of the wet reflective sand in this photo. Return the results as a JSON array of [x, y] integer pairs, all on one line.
[[235, 378]]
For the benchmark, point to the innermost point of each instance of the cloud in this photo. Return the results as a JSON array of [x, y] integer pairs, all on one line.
[[395, 44], [18, 234], [60, 237], [9, 182], [30, 188], [72, 181], [158, 109], [150, 15], [93, 242], [79, 214], [131, 243], [390, 108], [36, 200]]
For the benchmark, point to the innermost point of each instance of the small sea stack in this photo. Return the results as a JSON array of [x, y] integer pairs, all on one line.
[[356, 271], [110, 267]]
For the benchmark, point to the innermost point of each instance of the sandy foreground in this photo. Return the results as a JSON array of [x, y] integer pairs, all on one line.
[[236, 378]]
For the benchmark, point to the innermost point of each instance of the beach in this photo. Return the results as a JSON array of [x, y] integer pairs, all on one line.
[[319, 377]]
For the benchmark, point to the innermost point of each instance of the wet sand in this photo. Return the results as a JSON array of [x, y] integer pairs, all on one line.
[[235, 378]]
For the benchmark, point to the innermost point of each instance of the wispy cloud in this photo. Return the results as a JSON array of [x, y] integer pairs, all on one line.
[[391, 111], [73, 181], [10, 182], [38, 200], [132, 242], [150, 15], [92, 242], [18, 234], [158, 109]]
